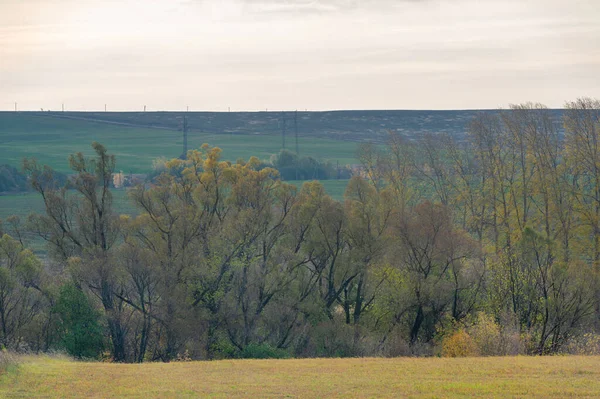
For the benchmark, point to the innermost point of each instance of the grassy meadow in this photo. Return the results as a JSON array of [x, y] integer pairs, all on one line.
[[492, 377], [22, 204], [51, 139]]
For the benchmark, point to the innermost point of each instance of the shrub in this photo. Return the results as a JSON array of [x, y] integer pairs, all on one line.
[[263, 351], [332, 339], [80, 331], [396, 346], [459, 344], [223, 349], [486, 335], [184, 357], [586, 344], [293, 167]]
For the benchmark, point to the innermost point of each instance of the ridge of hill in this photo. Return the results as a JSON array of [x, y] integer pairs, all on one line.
[[338, 125]]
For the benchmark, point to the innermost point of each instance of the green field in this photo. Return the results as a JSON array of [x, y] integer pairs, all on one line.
[[491, 377], [23, 204], [335, 188], [51, 139]]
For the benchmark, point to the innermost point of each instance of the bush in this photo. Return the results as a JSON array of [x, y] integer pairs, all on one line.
[[586, 344], [80, 331], [263, 351], [459, 344], [486, 335], [223, 349], [293, 167], [396, 346], [332, 338]]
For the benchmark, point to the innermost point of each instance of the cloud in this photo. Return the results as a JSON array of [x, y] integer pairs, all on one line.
[[303, 7], [298, 53]]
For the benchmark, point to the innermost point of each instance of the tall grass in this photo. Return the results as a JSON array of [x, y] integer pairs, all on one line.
[[8, 361]]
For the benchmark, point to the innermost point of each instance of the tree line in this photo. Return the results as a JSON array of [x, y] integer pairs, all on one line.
[[288, 164], [488, 245]]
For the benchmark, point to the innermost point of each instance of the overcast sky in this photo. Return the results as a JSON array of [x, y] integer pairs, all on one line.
[[296, 54]]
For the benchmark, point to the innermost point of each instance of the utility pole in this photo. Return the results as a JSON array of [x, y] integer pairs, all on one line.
[[296, 134], [188, 108], [283, 126], [63, 107], [144, 108], [296, 131], [15, 107], [185, 138], [104, 107]]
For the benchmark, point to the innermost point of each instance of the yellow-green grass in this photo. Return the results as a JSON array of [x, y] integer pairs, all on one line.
[[50, 140], [506, 377]]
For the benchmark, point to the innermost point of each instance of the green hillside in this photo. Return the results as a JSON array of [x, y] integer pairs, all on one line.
[[50, 139]]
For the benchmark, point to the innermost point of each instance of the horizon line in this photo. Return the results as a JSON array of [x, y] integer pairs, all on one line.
[[265, 110]]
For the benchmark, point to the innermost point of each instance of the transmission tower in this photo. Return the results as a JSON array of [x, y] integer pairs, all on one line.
[[185, 128], [296, 131], [283, 128]]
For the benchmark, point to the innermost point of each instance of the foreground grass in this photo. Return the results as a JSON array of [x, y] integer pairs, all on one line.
[[541, 377]]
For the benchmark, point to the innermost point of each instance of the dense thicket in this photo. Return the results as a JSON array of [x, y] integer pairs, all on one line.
[[288, 164], [291, 166], [489, 246], [11, 180]]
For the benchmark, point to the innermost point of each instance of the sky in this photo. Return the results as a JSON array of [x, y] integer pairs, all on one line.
[[250, 55]]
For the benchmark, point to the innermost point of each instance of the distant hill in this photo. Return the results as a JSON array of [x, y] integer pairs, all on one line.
[[338, 125], [136, 138]]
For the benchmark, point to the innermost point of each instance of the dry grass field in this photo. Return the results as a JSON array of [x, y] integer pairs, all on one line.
[[507, 377]]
